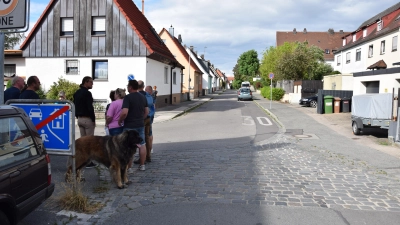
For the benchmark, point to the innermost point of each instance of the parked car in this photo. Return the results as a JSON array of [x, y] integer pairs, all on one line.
[[245, 94], [310, 101], [245, 84], [25, 171]]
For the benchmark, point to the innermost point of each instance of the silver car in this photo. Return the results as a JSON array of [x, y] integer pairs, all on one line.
[[245, 94]]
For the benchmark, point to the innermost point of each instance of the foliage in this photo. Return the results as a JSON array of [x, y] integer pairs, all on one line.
[[223, 84], [277, 93], [41, 93], [248, 63], [9, 83], [235, 71], [12, 39], [236, 84], [257, 85], [321, 70], [62, 85], [293, 61]]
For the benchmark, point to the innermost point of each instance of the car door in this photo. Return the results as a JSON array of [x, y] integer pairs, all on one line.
[[19, 158]]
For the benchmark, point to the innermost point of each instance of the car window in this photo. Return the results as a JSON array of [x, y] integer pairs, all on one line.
[[245, 90], [16, 142]]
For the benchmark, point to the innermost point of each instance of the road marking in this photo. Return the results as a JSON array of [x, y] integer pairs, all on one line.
[[247, 120], [261, 122]]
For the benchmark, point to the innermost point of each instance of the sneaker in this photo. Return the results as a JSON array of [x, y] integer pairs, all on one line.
[[130, 171], [142, 167], [91, 165]]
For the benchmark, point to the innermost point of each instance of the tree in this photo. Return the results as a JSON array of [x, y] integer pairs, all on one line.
[[62, 85], [271, 57], [12, 39], [235, 71], [248, 63], [322, 70]]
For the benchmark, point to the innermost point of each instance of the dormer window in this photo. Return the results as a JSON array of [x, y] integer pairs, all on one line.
[[364, 33], [380, 25], [344, 42], [67, 26], [327, 51], [354, 38]]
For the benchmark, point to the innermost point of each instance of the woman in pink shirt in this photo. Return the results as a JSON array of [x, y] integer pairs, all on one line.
[[114, 111]]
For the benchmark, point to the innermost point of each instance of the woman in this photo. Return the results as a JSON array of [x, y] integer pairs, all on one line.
[[114, 111]]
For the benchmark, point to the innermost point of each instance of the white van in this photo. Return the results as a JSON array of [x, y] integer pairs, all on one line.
[[245, 84]]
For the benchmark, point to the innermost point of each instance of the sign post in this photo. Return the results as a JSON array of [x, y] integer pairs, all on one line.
[[14, 14], [271, 76]]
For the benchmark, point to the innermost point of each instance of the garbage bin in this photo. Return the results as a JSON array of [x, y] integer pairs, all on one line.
[[328, 104], [346, 104], [336, 104]]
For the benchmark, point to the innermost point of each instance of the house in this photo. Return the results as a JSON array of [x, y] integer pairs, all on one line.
[[216, 78], [222, 79], [204, 66], [372, 46], [105, 39], [191, 71], [328, 41], [14, 65], [229, 82]]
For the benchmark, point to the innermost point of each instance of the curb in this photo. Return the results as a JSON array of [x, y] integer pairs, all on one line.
[[191, 108]]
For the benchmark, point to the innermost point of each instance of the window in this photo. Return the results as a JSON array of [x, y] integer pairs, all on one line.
[[9, 70], [394, 44], [166, 75], [100, 70], [327, 51], [71, 67], [358, 54], [16, 143], [382, 47], [67, 26], [354, 38], [380, 25], [174, 78], [364, 33], [348, 57], [371, 51], [344, 42], [339, 59], [98, 25]]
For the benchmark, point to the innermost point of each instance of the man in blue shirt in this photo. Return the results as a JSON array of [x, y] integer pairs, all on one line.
[[33, 85], [13, 92]]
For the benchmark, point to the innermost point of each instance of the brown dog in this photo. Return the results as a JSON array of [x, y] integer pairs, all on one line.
[[115, 152]]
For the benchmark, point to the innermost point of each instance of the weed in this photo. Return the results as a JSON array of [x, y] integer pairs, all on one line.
[[74, 200], [100, 189]]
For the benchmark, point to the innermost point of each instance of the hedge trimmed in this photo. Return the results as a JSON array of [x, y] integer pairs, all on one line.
[[277, 93]]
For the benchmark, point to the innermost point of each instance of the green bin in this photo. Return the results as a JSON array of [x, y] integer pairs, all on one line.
[[328, 104]]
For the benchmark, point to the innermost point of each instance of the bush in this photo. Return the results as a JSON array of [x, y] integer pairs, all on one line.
[[9, 83], [237, 84], [63, 85], [277, 93]]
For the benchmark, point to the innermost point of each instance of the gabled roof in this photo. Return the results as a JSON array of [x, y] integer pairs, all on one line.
[[182, 50], [230, 78], [379, 15], [378, 65], [219, 72], [135, 19], [324, 40], [393, 25]]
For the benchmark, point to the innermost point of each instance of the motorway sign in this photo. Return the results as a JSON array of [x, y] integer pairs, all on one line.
[[271, 76], [53, 124], [12, 14]]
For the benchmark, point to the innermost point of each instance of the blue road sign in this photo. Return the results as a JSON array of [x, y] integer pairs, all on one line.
[[54, 129], [271, 76], [131, 77]]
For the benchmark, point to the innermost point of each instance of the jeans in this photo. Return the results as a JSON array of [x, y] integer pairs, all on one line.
[[116, 131], [140, 130]]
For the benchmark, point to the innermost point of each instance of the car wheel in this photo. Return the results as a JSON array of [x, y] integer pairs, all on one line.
[[313, 103], [4, 219], [356, 130]]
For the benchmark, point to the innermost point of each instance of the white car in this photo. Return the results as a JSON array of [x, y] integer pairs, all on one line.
[[35, 113]]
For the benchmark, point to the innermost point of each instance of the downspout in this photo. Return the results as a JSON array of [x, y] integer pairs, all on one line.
[[170, 96]]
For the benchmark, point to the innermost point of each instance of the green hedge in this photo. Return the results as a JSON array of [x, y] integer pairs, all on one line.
[[277, 93]]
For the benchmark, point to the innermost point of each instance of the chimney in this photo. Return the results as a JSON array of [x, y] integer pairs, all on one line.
[[191, 48], [202, 56], [331, 31], [143, 7], [180, 38], [341, 31], [305, 31], [171, 31], [294, 31]]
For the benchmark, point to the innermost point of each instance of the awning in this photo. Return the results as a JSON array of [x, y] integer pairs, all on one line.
[[378, 65]]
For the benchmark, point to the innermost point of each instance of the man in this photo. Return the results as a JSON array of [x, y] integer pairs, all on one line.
[[134, 111], [147, 121], [84, 110], [152, 111], [29, 92], [13, 92]]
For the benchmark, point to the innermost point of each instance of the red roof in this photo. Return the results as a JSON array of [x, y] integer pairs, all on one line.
[[182, 50], [230, 78], [139, 24], [219, 72]]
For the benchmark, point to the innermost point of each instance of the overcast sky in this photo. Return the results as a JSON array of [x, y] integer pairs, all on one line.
[[222, 30]]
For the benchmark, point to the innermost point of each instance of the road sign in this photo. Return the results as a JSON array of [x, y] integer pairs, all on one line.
[[12, 14], [131, 77], [53, 124], [271, 76]]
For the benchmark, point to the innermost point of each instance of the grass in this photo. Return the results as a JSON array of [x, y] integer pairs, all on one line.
[[75, 200], [100, 189], [384, 142]]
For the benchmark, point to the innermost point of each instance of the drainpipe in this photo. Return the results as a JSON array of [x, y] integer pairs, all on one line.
[[170, 96]]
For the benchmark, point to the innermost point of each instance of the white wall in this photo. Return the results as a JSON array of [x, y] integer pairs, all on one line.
[[347, 82], [354, 66], [150, 71], [386, 83], [389, 57]]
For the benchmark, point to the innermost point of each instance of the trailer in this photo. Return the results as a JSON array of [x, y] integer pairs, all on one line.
[[373, 111]]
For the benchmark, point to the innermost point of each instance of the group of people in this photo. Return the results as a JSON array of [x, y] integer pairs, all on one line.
[[21, 90], [134, 111]]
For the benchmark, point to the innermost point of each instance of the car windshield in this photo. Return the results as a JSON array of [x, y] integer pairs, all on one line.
[[245, 90]]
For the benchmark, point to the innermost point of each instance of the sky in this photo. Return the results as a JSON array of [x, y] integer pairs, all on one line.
[[224, 29]]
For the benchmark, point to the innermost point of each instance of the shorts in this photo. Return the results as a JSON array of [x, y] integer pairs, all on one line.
[[116, 131], [148, 128], [140, 130]]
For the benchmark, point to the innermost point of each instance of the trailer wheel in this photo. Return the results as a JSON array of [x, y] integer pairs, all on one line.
[[356, 130]]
